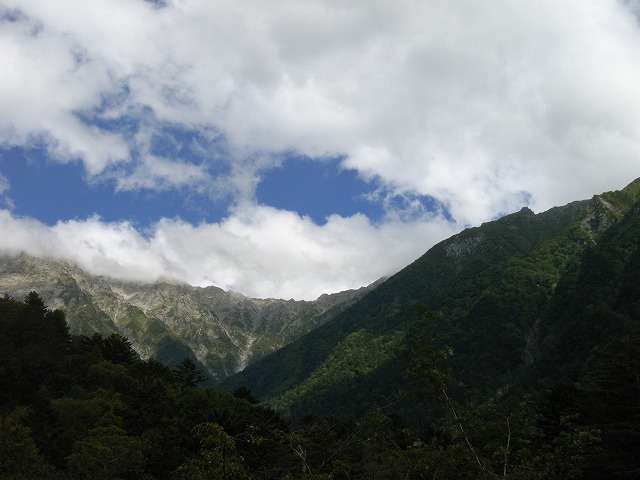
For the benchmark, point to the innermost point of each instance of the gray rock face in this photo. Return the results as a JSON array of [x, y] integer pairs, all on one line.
[[462, 248], [223, 331]]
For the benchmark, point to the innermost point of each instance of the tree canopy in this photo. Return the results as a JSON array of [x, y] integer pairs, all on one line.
[[102, 412]]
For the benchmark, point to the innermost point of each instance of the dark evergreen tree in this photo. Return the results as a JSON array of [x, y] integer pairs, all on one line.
[[245, 394], [187, 374], [118, 349]]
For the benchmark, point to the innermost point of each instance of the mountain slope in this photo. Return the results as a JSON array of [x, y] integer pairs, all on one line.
[[222, 331], [496, 289]]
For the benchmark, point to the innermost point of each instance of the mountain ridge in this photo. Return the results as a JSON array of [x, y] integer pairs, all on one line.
[[226, 332], [222, 331], [494, 282]]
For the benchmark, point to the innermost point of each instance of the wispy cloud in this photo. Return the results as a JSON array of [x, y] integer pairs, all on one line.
[[5, 199]]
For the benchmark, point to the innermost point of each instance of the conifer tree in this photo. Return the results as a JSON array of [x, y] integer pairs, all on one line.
[[187, 374]]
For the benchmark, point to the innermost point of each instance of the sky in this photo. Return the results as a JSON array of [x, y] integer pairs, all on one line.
[[292, 148]]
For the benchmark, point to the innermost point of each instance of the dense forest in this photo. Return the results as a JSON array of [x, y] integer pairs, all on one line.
[[88, 407]]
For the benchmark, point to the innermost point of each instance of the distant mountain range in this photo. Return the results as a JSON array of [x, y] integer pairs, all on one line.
[[222, 332]]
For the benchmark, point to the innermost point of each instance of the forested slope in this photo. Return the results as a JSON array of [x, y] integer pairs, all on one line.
[[526, 306], [492, 285]]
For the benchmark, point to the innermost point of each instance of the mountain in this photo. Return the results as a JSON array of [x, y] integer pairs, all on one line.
[[519, 301], [502, 292], [222, 331]]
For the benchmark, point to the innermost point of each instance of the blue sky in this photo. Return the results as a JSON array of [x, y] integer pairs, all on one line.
[[298, 148], [53, 192], [317, 189], [58, 192]]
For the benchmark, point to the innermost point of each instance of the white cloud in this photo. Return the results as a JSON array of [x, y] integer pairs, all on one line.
[[4, 184], [44, 86], [480, 105], [459, 96], [5, 199], [161, 173], [260, 251]]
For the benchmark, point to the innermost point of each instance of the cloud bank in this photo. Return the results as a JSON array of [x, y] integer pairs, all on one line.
[[261, 252], [484, 107]]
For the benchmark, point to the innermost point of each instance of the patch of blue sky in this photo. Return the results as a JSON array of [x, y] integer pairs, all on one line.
[[52, 192], [163, 139], [147, 136], [194, 146], [317, 189], [320, 188]]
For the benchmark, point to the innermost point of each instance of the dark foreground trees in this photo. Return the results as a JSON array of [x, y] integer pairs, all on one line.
[[89, 407]]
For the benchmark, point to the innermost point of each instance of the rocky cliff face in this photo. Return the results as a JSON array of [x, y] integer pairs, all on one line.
[[223, 331]]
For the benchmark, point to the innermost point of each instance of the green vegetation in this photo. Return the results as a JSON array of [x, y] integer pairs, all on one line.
[[88, 407]]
